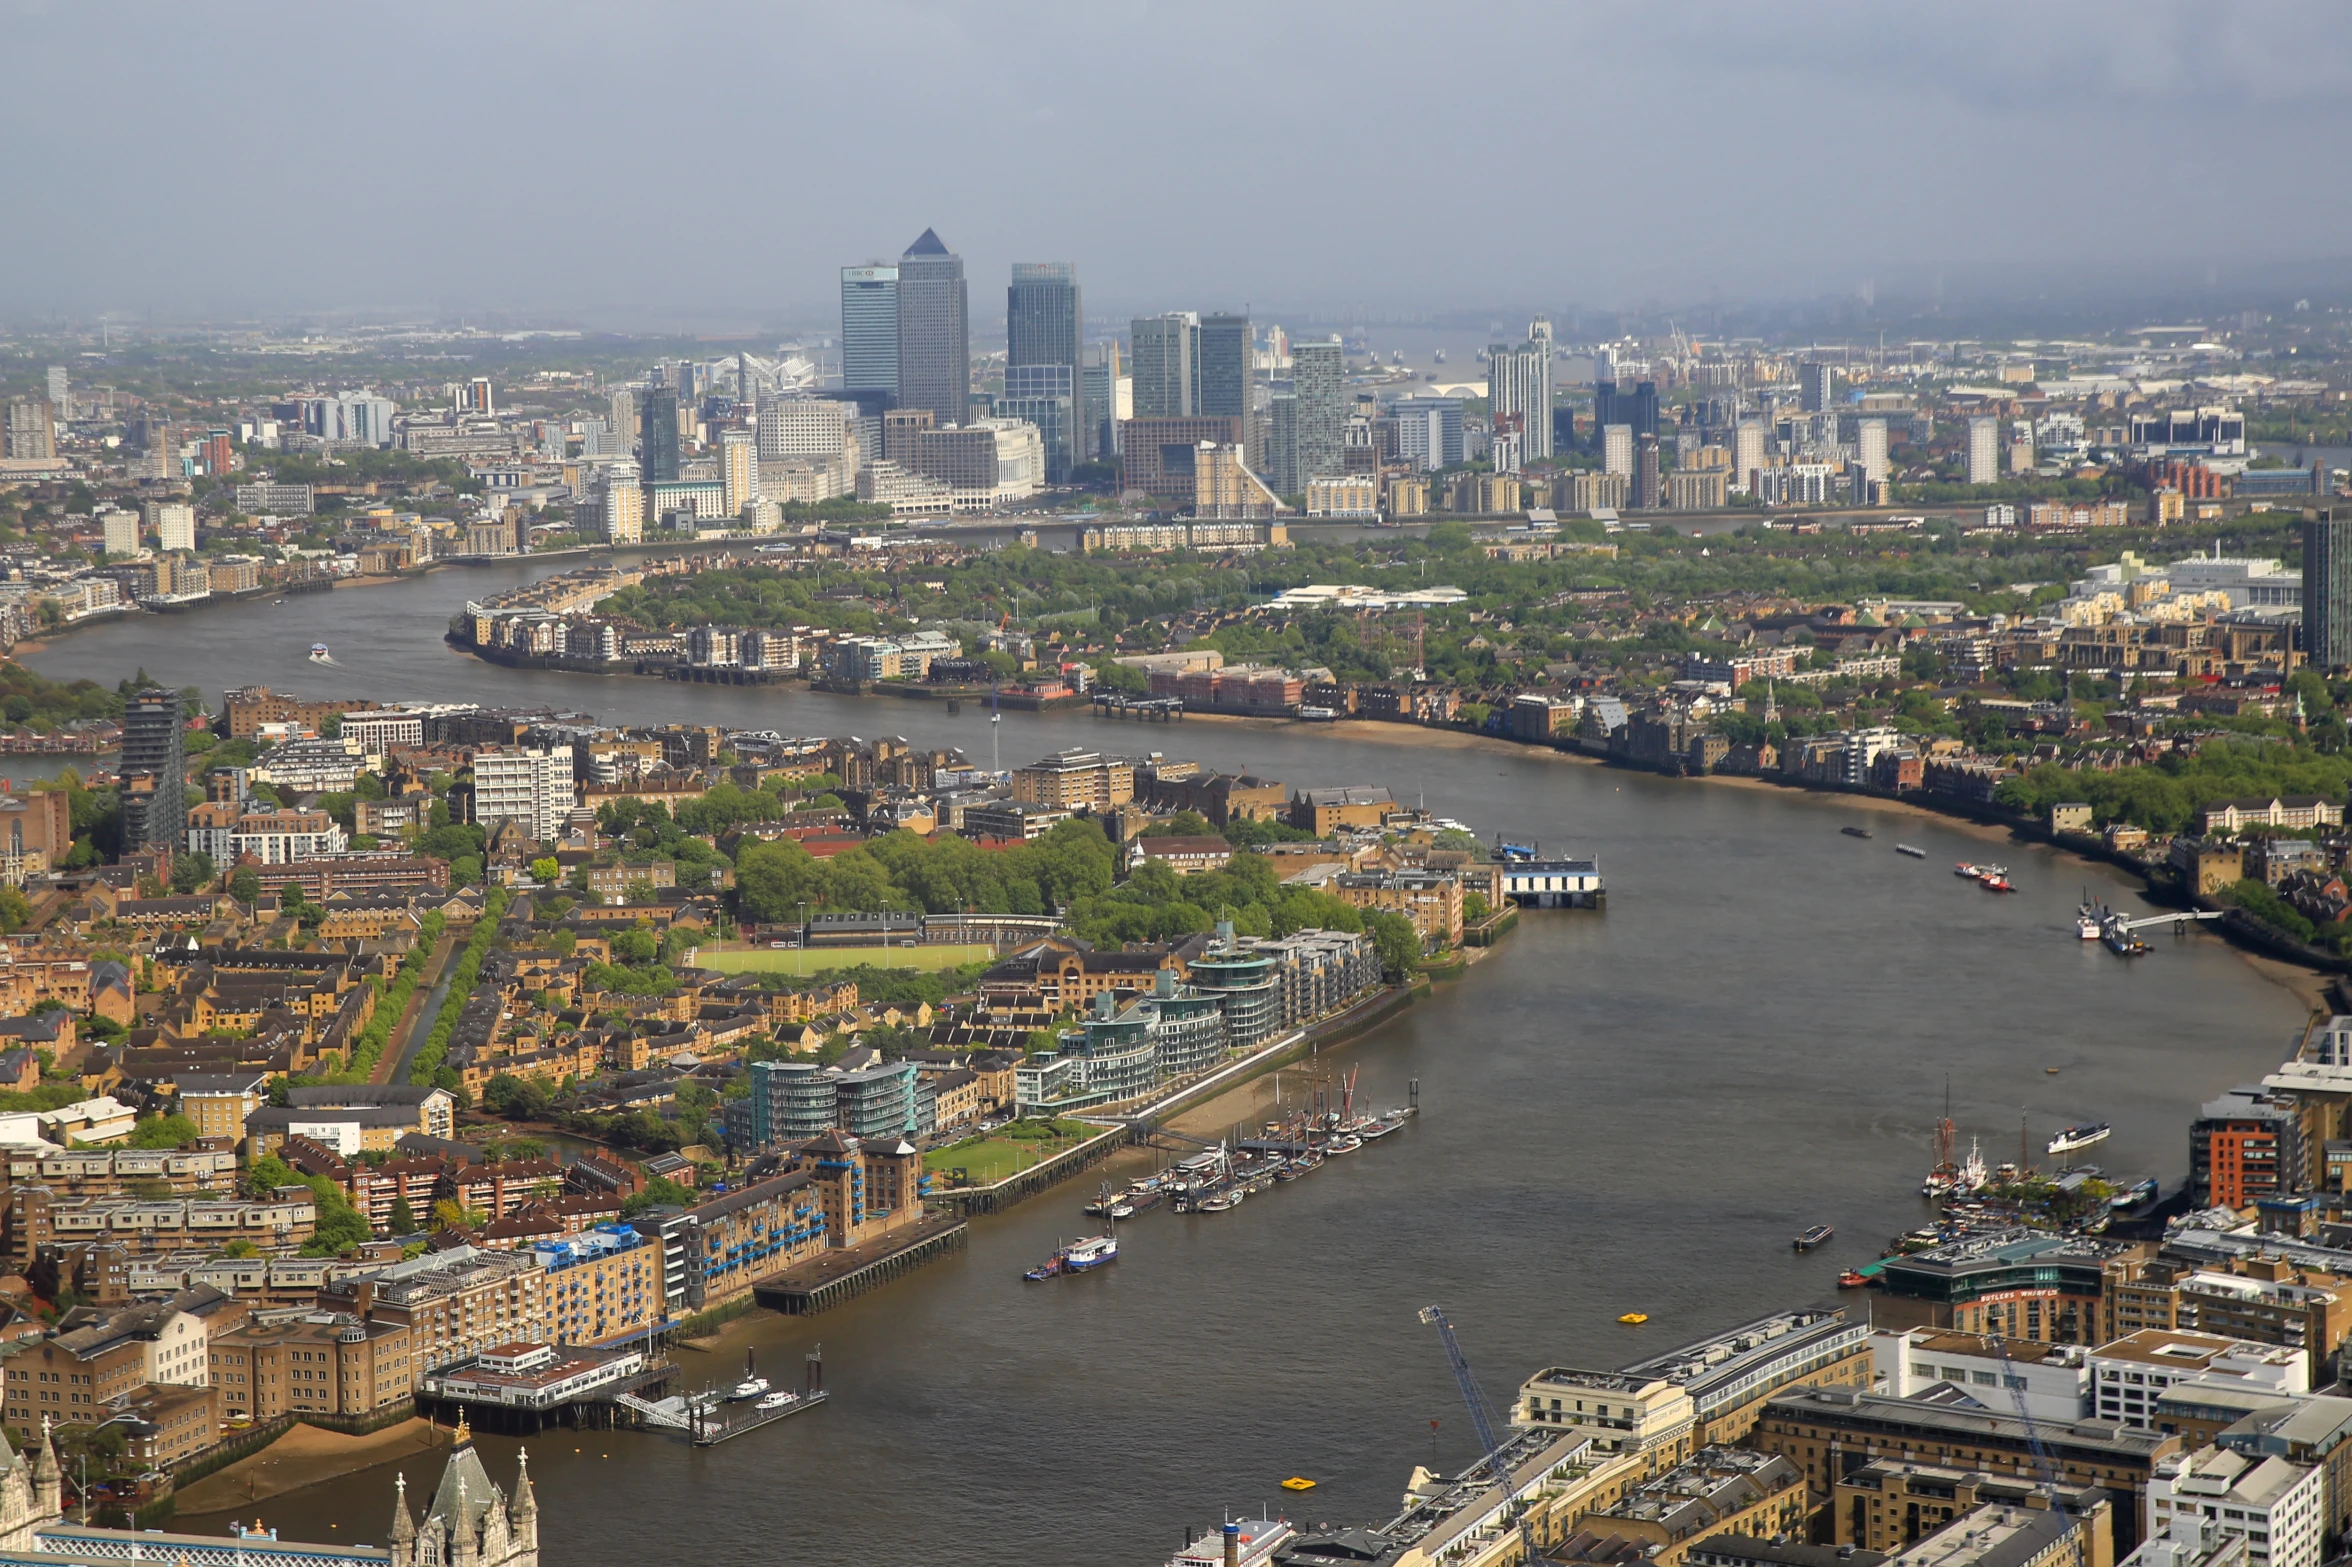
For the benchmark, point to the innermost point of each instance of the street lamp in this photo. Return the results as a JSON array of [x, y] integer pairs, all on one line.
[[800, 944]]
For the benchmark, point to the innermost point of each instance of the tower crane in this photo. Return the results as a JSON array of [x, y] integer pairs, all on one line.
[[1483, 1417], [2047, 1470]]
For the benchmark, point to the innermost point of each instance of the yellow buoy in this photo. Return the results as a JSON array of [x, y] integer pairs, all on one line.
[[1635, 1317], [1298, 1483]]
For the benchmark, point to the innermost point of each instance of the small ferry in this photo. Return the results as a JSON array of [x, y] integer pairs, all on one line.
[[1855, 832], [1913, 850], [1318, 715], [2079, 1137], [1814, 1237], [1093, 1252]]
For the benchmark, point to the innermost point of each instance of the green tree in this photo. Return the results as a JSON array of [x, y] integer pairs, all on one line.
[[244, 885], [546, 870], [1398, 944], [164, 1131], [402, 1220]]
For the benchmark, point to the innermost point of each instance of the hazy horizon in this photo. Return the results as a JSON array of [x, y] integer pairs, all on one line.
[[626, 167]]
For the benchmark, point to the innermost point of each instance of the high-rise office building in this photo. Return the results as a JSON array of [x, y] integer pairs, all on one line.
[[1984, 450], [657, 433], [1605, 410], [1108, 396], [1816, 386], [1870, 443], [1519, 386], [1318, 373], [934, 332], [869, 329], [739, 469], [174, 523], [624, 419], [2327, 591], [1226, 378], [1747, 453], [1644, 413], [1646, 488], [154, 772], [1617, 450], [1047, 397], [1164, 360], [1043, 315]]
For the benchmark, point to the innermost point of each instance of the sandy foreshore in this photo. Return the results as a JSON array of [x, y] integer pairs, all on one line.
[[307, 1455]]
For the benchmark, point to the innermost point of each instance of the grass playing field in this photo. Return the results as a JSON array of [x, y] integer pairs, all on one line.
[[988, 1159], [767, 960]]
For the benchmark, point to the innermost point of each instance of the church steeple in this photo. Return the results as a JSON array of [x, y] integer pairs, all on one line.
[[48, 1479], [403, 1526], [524, 1513]]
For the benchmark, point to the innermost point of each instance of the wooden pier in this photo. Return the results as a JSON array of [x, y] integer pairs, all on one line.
[[823, 1282], [1158, 709]]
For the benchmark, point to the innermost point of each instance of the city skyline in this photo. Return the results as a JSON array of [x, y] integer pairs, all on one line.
[[2017, 89]]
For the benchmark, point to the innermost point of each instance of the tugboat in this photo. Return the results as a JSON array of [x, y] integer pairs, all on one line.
[[1851, 1280], [1814, 1237], [1996, 879]]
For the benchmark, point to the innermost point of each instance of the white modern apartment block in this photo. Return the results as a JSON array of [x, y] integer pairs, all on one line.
[[378, 731], [174, 523], [2054, 1379], [1617, 450], [1870, 441], [281, 837], [1984, 450], [531, 788], [1747, 454], [121, 532], [2130, 1375], [1519, 382], [2279, 1507]]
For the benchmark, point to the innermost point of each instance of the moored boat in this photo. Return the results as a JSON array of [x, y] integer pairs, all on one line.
[[1968, 872], [2084, 1136], [1913, 850], [1855, 832], [1851, 1280], [1814, 1237], [1994, 881], [1092, 1252]]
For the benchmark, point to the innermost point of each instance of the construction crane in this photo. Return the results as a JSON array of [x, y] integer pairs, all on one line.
[[2033, 1433], [1483, 1417]]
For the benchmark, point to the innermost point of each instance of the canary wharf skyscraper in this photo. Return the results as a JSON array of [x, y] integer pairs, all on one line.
[[934, 331]]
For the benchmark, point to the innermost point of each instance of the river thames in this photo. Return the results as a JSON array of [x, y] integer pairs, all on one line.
[[1629, 1110]]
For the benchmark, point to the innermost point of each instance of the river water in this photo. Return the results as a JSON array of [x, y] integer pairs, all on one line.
[[1626, 1110]]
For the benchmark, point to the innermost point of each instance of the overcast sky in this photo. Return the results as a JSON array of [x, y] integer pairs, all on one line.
[[719, 160]]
